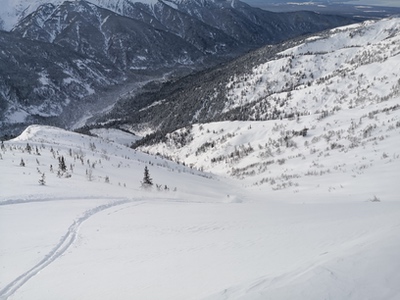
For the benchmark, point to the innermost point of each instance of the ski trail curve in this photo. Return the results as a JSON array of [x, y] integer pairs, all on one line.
[[52, 199], [65, 242]]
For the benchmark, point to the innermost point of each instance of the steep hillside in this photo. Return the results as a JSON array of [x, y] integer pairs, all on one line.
[[99, 33], [338, 69], [39, 81], [351, 153], [326, 115]]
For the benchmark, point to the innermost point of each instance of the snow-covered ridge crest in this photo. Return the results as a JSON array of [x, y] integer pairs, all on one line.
[[321, 71], [38, 132], [51, 135]]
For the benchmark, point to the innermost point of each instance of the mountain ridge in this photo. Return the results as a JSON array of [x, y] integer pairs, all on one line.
[[140, 41], [273, 83]]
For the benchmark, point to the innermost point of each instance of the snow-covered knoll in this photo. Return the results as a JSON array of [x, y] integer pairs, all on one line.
[[81, 236], [89, 160]]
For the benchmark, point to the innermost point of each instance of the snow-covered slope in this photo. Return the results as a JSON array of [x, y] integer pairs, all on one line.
[[343, 68], [352, 66], [332, 111], [341, 154], [84, 153], [91, 232]]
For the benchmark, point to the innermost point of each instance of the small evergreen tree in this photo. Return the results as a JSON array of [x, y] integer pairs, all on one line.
[[42, 180], [28, 148], [147, 181], [89, 174], [61, 164]]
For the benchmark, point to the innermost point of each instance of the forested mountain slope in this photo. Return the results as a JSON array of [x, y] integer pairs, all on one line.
[[141, 41]]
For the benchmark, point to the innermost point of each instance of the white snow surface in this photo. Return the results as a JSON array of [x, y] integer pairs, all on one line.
[[207, 237], [281, 216]]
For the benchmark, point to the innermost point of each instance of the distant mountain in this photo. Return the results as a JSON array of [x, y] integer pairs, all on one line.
[[99, 33], [210, 26], [15, 10], [130, 41], [39, 80], [252, 25]]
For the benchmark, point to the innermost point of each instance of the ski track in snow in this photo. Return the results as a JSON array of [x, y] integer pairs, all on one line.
[[52, 199], [63, 245]]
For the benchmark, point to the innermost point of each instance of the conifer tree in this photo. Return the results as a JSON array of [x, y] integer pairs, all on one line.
[[61, 164], [147, 181], [42, 180], [28, 148]]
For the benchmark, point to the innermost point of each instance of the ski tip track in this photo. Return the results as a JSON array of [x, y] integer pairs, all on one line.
[[65, 242]]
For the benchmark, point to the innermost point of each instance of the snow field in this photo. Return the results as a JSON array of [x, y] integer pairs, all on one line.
[[211, 239], [32, 241]]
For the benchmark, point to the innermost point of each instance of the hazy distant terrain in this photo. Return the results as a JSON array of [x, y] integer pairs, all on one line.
[[363, 9], [393, 3]]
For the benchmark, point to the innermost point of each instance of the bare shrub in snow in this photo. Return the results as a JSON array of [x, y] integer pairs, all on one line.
[[375, 199]]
